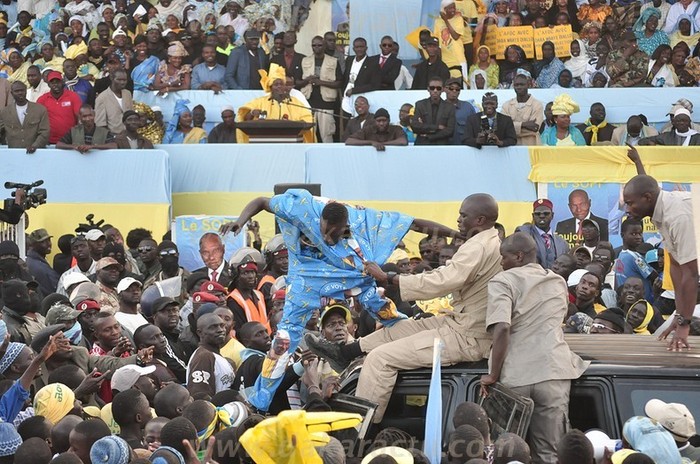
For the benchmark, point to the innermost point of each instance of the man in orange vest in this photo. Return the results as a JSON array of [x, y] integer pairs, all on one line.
[[246, 303]]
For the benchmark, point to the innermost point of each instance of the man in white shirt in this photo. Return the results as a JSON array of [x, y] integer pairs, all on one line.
[[37, 86], [128, 315], [232, 17]]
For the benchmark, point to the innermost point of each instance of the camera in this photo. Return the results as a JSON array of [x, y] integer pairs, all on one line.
[[34, 196], [487, 132]]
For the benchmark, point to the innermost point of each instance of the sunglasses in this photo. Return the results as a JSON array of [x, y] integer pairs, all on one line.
[[454, 89], [386, 45], [603, 327], [170, 252], [145, 249], [435, 87], [542, 213]]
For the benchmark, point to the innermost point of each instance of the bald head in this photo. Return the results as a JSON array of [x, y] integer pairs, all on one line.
[[517, 250], [640, 195], [484, 205], [247, 331], [478, 212], [206, 320]]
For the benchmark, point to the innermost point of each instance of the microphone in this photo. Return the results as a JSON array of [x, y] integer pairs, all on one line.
[[315, 110]]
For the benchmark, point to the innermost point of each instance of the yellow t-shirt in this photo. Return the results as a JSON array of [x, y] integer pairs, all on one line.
[[452, 50], [467, 9]]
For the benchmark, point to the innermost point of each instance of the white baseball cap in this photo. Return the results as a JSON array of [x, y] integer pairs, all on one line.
[[575, 277], [94, 234], [674, 417], [127, 282], [126, 376], [74, 278]]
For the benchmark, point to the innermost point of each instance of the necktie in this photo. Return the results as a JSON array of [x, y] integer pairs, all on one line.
[[579, 231], [382, 60], [547, 241], [214, 275]]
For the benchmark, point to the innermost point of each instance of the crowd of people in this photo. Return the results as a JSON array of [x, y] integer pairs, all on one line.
[[126, 357], [72, 69]]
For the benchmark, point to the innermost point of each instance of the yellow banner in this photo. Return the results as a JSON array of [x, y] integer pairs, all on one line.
[[497, 39], [611, 164], [560, 36]]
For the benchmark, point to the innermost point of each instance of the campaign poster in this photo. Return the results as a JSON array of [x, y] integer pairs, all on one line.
[[340, 21], [187, 230]]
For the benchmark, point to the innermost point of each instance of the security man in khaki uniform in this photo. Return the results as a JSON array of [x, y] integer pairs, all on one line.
[[526, 306], [408, 344]]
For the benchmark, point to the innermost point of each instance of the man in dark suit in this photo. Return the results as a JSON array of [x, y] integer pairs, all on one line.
[[361, 73], [24, 124], [289, 59], [549, 245], [211, 249], [434, 118], [490, 127], [244, 62], [388, 63], [572, 229]]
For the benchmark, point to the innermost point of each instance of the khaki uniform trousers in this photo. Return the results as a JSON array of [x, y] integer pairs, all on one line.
[[326, 125], [408, 344], [550, 418]]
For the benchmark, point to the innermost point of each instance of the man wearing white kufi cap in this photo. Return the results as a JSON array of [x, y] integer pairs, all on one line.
[[682, 133], [224, 132]]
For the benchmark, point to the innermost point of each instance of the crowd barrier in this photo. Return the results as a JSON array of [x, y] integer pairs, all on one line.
[[131, 188], [620, 103]]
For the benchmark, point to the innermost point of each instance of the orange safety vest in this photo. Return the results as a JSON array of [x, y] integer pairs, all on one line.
[[267, 278], [257, 313]]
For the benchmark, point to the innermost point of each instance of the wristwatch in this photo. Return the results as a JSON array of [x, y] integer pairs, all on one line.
[[390, 277], [681, 321]]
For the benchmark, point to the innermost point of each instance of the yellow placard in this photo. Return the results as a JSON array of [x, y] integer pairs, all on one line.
[[505, 36], [560, 36]]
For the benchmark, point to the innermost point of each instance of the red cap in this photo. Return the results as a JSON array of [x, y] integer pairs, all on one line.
[[282, 252], [542, 202], [248, 266], [88, 304], [204, 297], [279, 294], [211, 286], [54, 75]]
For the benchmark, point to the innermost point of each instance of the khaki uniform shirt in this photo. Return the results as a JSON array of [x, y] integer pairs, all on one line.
[[534, 302], [109, 301], [466, 276], [673, 216], [531, 110]]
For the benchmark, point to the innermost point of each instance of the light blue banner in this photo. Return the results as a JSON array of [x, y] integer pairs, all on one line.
[[100, 176], [187, 230], [373, 20], [619, 103]]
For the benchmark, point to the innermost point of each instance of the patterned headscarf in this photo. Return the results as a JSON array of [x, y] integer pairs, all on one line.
[[266, 79], [177, 49], [564, 105]]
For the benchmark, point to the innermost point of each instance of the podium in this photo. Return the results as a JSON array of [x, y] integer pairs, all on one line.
[[274, 130]]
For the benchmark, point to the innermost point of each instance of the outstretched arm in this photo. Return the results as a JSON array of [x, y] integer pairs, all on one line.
[[424, 226], [250, 210], [633, 154]]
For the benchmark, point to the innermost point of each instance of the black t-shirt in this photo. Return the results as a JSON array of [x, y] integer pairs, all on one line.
[[254, 75], [315, 100]]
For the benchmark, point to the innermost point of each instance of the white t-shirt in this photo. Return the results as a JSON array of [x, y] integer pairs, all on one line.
[[130, 322]]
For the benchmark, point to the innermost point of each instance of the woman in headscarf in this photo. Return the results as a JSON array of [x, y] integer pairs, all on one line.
[[180, 128], [563, 134], [591, 38], [152, 128], [649, 437], [487, 65], [276, 104], [639, 316], [660, 71], [515, 60], [548, 68], [514, 19], [478, 80], [578, 62], [595, 10], [14, 67], [78, 27], [173, 75], [564, 6], [565, 80], [108, 16], [684, 31], [649, 37], [79, 53], [679, 55]]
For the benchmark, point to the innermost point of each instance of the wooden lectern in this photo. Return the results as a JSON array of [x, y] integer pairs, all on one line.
[[274, 130]]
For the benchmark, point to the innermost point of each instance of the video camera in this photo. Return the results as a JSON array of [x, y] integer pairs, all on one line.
[[34, 196], [487, 131], [83, 228]]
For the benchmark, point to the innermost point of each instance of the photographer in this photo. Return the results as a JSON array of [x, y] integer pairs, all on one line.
[[489, 127], [13, 211]]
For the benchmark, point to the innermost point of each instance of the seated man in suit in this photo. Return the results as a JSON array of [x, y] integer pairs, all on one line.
[[433, 121], [490, 127]]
